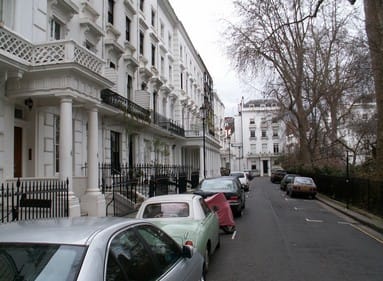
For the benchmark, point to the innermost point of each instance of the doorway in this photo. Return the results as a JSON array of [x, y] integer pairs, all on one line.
[[265, 167], [17, 152]]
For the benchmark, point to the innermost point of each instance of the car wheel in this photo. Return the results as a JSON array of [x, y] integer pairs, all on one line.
[[229, 229]]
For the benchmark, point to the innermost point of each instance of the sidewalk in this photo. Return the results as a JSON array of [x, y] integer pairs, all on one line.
[[363, 217]]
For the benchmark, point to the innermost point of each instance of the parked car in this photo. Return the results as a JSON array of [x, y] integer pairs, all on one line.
[[89, 248], [243, 178], [277, 175], [251, 174], [185, 217], [228, 185], [286, 180], [302, 186]]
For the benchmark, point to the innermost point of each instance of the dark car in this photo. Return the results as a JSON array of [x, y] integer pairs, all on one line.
[[286, 180], [277, 175], [228, 185]]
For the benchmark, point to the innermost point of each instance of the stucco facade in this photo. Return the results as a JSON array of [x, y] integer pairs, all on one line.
[[87, 82]]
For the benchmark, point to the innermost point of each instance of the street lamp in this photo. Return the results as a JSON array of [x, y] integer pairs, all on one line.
[[203, 116]]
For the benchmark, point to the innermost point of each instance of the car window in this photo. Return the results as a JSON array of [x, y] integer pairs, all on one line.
[[129, 259], [40, 261], [167, 210], [300, 180], [165, 250]]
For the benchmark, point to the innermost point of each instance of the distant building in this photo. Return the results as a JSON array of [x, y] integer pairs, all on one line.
[[259, 136]]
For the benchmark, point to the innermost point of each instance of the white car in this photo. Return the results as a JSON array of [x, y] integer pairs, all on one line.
[[185, 217], [242, 176]]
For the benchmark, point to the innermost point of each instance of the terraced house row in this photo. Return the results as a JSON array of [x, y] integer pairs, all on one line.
[[91, 82]]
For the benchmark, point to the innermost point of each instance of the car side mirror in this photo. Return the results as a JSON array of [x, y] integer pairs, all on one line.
[[187, 251]]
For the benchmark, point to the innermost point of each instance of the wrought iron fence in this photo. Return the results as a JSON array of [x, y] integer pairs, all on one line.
[[128, 185], [365, 194], [33, 200]]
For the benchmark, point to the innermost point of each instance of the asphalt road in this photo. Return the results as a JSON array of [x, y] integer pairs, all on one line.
[[279, 238]]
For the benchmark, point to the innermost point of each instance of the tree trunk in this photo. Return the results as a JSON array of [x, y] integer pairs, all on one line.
[[374, 28]]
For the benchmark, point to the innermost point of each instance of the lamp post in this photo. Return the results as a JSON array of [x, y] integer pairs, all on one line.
[[203, 116], [229, 138]]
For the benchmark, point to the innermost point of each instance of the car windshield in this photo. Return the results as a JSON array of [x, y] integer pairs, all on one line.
[[166, 210], [40, 262], [215, 185], [240, 175]]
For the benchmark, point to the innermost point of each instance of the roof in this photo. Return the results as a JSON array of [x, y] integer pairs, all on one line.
[[76, 230]]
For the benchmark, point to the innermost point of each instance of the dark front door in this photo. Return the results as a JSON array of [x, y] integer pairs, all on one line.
[[17, 152], [265, 166], [115, 151]]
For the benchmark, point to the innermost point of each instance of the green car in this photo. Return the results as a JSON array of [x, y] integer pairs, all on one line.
[[187, 219]]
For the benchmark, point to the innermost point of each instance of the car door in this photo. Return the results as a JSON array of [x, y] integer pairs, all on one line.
[[210, 223]]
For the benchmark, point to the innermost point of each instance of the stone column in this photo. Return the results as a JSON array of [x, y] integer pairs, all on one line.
[[201, 163], [93, 201], [66, 142]]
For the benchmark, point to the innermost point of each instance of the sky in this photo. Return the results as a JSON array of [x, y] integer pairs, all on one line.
[[202, 20]]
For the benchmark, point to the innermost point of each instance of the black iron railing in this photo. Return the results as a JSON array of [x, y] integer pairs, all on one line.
[[111, 98], [33, 200], [167, 124]]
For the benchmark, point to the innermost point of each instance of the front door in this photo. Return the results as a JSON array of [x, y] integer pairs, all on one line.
[[265, 167], [17, 152], [115, 151]]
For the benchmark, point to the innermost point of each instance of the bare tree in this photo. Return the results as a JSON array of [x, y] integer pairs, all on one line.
[[313, 69]]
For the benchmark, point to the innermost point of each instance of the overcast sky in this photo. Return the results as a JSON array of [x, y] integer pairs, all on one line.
[[202, 20]]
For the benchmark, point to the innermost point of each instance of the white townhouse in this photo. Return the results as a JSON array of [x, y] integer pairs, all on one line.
[[84, 82], [259, 136]]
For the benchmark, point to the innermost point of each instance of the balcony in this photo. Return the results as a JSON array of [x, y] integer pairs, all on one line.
[[167, 124], [51, 53], [113, 99]]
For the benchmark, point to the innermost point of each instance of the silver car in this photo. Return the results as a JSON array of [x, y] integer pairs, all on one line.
[[86, 248]]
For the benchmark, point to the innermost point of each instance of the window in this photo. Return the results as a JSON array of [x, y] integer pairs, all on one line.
[[162, 31], [275, 132], [170, 41], [110, 11], [181, 53], [276, 148], [252, 148], [89, 46], [129, 87], [252, 121], [55, 32], [264, 147], [142, 2], [127, 28], [57, 143], [162, 65], [264, 135], [182, 81], [142, 36], [153, 55], [252, 133], [170, 74], [153, 18]]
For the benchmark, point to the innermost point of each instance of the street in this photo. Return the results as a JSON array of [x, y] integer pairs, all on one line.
[[295, 239]]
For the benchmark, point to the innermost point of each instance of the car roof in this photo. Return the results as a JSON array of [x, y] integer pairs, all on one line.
[[73, 230], [223, 177], [172, 198]]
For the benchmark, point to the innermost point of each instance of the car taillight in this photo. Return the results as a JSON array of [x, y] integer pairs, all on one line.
[[234, 198], [189, 243]]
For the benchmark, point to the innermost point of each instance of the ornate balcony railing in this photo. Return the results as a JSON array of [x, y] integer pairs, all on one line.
[[167, 124], [54, 52], [111, 98]]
